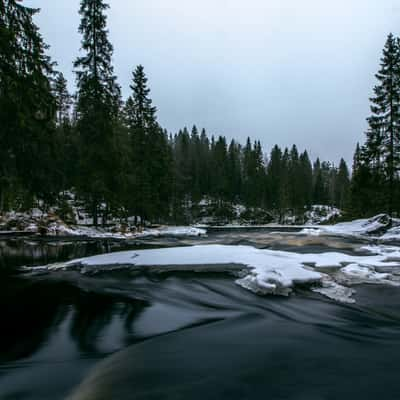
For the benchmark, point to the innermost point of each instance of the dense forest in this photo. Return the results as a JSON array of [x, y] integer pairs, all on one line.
[[117, 159]]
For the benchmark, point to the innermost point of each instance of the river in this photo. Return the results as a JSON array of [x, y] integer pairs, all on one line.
[[187, 335]]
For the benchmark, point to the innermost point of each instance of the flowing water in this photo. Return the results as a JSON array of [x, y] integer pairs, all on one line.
[[124, 335]]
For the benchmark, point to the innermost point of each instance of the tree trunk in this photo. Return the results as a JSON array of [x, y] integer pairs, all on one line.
[[94, 213]]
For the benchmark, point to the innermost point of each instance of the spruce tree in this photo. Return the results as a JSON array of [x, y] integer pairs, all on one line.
[[305, 180], [234, 172], [383, 137], [342, 186], [274, 181], [63, 100], [204, 157], [26, 108], [295, 200], [98, 103], [151, 158]]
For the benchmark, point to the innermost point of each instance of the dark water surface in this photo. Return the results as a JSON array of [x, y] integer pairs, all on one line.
[[195, 336]]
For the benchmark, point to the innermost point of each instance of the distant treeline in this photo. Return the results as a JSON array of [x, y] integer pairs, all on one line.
[[118, 159]]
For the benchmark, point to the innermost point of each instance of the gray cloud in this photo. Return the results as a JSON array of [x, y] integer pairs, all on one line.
[[282, 71]]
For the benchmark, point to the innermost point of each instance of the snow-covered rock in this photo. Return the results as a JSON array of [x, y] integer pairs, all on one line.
[[321, 214], [381, 227]]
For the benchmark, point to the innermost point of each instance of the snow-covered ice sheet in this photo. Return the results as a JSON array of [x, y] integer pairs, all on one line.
[[265, 271], [365, 274], [334, 291]]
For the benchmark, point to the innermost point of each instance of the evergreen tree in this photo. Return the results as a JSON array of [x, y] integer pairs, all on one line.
[[26, 108], [305, 177], [295, 201], [234, 171], [204, 160], [319, 189], [383, 137], [284, 191], [63, 100], [98, 105], [151, 158], [274, 182], [220, 167], [66, 144], [195, 153], [342, 186], [253, 174]]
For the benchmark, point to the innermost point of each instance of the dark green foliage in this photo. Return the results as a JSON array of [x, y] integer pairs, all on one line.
[[98, 102], [150, 166], [120, 162], [26, 109], [375, 181], [342, 186]]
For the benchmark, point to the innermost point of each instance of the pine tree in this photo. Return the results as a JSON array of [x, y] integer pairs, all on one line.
[[151, 157], [220, 163], [66, 145], [98, 105], [63, 100], [274, 182], [342, 186], [195, 173], [383, 137], [285, 184], [319, 191], [204, 158], [305, 180], [295, 200], [26, 107], [234, 172]]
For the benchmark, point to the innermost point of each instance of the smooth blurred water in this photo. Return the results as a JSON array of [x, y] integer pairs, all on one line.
[[194, 336]]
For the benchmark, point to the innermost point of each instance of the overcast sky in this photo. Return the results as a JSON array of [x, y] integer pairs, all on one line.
[[282, 71]]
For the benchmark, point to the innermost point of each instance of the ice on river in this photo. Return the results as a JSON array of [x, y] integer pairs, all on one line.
[[264, 271]]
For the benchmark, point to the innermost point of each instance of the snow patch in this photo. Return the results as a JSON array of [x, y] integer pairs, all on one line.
[[321, 214], [376, 228]]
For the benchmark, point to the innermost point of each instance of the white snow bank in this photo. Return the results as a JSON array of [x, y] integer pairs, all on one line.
[[58, 228], [393, 234], [369, 227], [174, 231], [269, 271], [162, 231]]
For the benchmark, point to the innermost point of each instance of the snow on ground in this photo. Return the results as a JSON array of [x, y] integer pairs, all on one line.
[[100, 233], [376, 228], [392, 234], [50, 225], [320, 214], [265, 271]]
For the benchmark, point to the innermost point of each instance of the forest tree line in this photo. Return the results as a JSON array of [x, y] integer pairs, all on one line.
[[118, 160]]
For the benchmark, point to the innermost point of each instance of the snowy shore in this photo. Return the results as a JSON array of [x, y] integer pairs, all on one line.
[[380, 228]]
